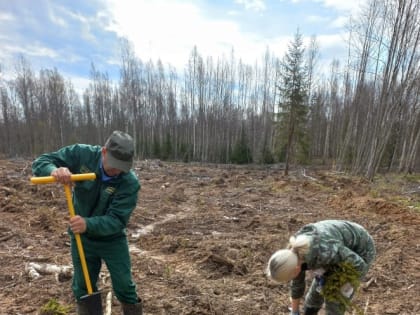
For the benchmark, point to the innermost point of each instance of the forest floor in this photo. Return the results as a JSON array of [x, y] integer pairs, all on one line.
[[201, 236]]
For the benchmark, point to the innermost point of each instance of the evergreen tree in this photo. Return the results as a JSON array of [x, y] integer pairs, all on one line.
[[156, 148], [293, 108], [166, 151], [241, 153]]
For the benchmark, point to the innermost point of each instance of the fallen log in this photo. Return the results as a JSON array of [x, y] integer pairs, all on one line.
[[62, 273]]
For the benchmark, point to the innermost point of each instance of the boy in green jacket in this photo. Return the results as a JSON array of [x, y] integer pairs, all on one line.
[[103, 208], [321, 247]]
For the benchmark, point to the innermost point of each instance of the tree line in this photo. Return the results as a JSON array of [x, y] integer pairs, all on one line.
[[362, 117]]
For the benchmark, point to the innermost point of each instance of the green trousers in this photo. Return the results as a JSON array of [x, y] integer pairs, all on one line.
[[116, 256]]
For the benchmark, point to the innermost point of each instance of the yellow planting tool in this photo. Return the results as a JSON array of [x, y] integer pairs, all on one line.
[[92, 300], [74, 178]]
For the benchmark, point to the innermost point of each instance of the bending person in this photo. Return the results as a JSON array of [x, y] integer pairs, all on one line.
[[319, 247]]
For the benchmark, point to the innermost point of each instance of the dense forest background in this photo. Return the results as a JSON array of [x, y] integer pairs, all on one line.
[[362, 116]]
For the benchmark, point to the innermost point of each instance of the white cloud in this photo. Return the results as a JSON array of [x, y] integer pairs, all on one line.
[[317, 19], [6, 17], [254, 5], [329, 41], [35, 50], [340, 5], [55, 18], [72, 19], [351, 6], [169, 30], [332, 47], [340, 22]]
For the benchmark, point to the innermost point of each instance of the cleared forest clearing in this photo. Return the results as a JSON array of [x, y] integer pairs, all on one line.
[[201, 236]]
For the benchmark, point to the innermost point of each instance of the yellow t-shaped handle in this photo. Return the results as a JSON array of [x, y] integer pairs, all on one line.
[[74, 178], [67, 190]]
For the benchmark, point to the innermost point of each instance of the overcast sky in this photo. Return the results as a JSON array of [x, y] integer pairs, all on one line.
[[71, 34]]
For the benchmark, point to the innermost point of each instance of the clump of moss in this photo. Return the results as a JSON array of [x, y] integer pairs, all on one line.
[[53, 307], [338, 276]]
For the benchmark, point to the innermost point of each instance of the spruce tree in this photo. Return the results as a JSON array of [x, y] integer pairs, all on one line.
[[241, 153], [292, 107]]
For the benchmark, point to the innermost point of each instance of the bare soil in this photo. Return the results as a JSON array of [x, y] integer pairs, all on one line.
[[201, 236]]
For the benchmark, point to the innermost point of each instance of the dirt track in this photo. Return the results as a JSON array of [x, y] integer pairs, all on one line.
[[201, 236]]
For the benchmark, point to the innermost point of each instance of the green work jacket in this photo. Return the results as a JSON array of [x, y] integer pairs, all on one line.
[[106, 206]]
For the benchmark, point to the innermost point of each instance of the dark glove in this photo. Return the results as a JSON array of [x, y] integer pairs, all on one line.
[[293, 312], [320, 282]]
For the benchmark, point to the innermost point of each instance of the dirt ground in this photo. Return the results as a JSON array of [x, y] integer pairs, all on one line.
[[201, 236]]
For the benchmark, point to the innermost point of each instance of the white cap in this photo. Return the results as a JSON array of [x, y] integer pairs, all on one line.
[[282, 265]]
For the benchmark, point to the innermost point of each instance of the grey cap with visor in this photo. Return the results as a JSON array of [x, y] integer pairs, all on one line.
[[120, 151]]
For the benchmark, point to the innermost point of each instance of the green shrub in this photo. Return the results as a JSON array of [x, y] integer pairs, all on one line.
[[53, 307]]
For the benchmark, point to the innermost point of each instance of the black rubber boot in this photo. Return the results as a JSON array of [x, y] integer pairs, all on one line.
[[82, 309], [90, 304], [310, 311], [133, 309]]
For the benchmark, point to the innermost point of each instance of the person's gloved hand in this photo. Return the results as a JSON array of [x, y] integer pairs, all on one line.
[[320, 282], [347, 290], [293, 312]]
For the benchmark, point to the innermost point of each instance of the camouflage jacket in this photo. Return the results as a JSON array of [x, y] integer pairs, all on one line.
[[332, 242]]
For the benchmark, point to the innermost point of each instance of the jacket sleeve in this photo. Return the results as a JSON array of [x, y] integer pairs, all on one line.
[[333, 252], [297, 286], [47, 162], [346, 254]]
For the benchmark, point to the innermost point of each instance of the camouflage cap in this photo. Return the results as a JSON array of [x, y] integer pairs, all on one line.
[[120, 147]]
